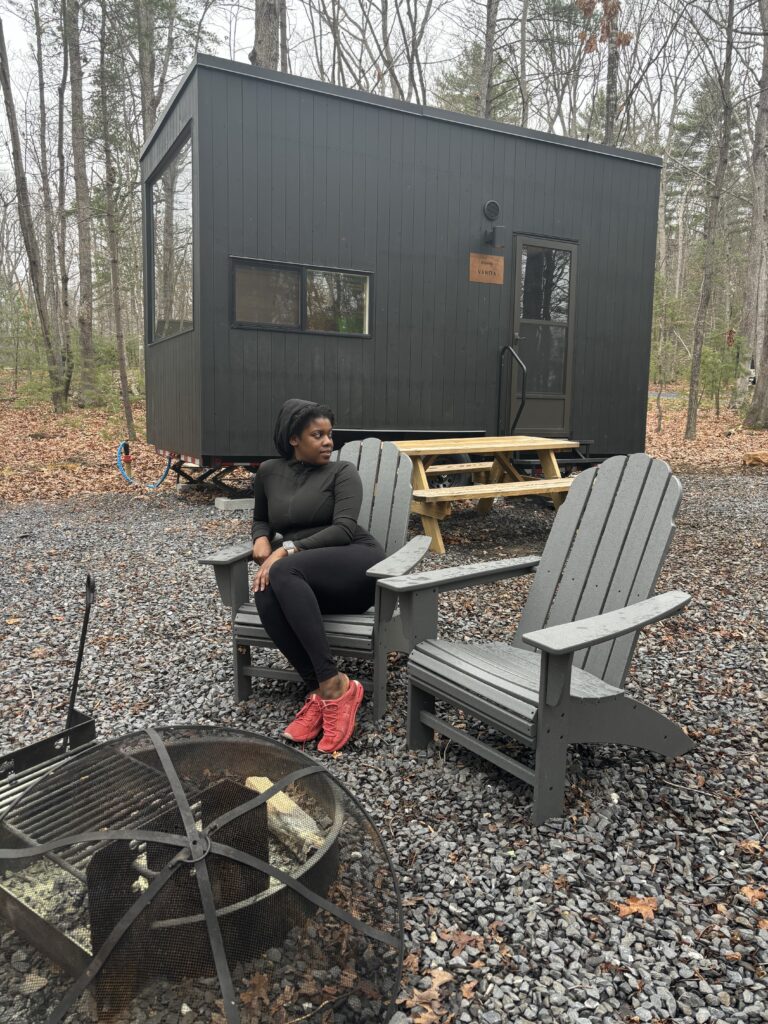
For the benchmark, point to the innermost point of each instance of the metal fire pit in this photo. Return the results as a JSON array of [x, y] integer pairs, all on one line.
[[203, 868]]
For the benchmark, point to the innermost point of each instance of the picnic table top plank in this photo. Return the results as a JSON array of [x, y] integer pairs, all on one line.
[[483, 445]]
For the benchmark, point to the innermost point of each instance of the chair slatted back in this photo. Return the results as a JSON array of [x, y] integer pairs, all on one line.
[[605, 551], [386, 475]]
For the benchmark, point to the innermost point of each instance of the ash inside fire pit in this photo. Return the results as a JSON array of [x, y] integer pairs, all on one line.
[[202, 875]]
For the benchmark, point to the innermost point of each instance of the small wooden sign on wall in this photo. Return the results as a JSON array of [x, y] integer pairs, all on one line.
[[486, 269]]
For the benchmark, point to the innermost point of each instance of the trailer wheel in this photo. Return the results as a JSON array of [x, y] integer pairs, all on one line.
[[451, 479]]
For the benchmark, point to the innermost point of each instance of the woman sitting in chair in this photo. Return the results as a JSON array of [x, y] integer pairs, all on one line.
[[319, 568]]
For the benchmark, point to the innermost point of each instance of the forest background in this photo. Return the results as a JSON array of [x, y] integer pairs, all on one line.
[[83, 82]]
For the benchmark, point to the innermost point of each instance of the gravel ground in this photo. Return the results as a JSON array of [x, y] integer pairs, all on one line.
[[505, 921]]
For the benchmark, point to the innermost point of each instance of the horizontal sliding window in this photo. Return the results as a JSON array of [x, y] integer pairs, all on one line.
[[264, 295], [337, 302], [307, 299]]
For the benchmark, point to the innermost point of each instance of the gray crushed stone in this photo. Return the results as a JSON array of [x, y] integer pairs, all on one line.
[[525, 920]]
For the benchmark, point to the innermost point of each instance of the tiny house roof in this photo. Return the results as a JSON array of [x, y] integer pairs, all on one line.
[[414, 109]]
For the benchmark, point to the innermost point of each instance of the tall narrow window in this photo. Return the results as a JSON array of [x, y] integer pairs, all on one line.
[[544, 313], [172, 282]]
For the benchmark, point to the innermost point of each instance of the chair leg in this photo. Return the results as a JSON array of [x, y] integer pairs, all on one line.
[[551, 737], [418, 735], [549, 773], [379, 681], [241, 659]]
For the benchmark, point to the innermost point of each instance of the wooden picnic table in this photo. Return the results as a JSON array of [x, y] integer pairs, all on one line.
[[494, 477]]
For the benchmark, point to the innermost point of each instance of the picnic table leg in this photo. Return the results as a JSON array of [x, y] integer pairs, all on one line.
[[495, 476], [430, 524], [431, 528], [551, 470]]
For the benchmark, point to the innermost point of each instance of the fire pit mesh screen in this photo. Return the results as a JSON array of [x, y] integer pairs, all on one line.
[[208, 875]]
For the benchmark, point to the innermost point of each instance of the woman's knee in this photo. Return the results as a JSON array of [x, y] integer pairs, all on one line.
[[265, 601], [281, 573]]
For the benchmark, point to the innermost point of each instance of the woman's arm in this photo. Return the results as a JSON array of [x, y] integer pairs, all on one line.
[[261, 531], [347, 499]]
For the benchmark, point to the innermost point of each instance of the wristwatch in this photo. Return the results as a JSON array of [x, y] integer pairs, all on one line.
[[289, 547]]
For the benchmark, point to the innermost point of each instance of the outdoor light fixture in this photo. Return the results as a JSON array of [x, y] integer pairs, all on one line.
[[491, 211]]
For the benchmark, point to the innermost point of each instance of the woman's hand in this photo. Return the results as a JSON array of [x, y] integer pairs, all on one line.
[[262, 549], [261, 579]]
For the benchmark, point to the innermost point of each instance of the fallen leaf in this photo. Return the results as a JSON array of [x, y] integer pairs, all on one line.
[[12, 622], [468, 988], [762, 923], [461, 940], [645, 906], [411, 962], [752, 894], [440, 977], [749, 846], [427, 1016], [39, 652]]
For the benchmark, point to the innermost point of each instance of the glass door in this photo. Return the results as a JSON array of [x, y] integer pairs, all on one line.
[[542, 319]]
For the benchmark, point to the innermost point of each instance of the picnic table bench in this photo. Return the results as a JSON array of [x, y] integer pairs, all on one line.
[[500, 478]]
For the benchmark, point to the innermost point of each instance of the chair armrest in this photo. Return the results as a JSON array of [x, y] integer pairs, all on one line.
[[401, 561], [573, 636], [228, 556], [459, 576]]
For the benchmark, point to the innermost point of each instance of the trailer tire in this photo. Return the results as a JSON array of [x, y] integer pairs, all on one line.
[[452, 479]]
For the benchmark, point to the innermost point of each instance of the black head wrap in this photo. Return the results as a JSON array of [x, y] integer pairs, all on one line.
[[291, 414]]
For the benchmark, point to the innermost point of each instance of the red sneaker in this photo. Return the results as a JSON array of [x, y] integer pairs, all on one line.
[[308, 723], [339, 718]]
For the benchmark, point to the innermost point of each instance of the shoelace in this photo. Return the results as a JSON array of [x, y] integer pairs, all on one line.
[[331, 710], [308, 706]]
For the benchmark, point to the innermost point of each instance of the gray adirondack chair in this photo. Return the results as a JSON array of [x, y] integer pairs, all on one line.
[[386, 477], [590, 596]]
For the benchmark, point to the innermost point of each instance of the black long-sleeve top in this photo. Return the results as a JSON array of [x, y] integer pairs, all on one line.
[[316, 506]]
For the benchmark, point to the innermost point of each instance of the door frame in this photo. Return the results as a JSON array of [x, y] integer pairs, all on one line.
[[569, 245]]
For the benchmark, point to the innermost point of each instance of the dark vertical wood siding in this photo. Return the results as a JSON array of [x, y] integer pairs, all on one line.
[[290, 172], [172, 366]]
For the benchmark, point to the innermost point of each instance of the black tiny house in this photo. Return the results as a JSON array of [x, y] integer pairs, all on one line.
[[305, 239]]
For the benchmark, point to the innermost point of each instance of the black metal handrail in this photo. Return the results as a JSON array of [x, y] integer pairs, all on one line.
[[524, 371]]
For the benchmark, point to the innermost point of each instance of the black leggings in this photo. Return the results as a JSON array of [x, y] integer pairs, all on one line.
[[307, 585]]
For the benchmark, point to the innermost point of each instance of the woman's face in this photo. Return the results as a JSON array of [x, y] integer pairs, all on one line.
[[315, 443]]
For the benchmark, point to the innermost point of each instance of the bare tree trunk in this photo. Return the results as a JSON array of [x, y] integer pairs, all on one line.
[[266, 43], [681, 211], [83, 204], [710, 228], [611, 75], [61, 214], [755, 321], [50, 260], [151, 81], [145, 38], [389, 60], [485, 91], [524, 96], [26, 222], [284, 36], [114, 259]]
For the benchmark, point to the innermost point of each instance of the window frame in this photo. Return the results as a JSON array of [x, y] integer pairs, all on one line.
[[184, 137], [301, 268]]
